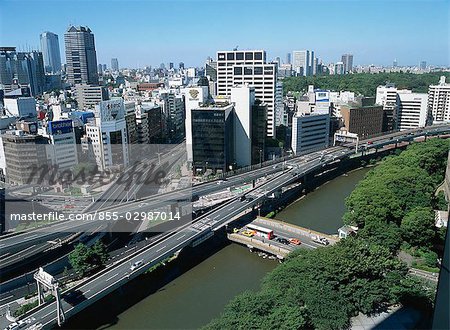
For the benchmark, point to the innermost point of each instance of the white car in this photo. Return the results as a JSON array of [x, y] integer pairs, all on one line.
[[136, 264]]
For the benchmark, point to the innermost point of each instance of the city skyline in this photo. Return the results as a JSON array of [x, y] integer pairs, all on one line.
[[196, 29]]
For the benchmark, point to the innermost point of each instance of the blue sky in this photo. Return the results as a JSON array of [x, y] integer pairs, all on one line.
[[150, 32]]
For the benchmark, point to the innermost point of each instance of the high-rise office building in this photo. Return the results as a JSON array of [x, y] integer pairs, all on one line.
[[212, 138], [423, 65], [347, 59], [81, 56], [100, 69], [62, 149], [412, 110], [107, 135], [339, 68], [363, 120], [24, 152], [114, 64], [240, 67], [19, 69], [303, 62], [89, 96], [395, 63], [439, 101], [193, 97], [181, 66], [288, 58], [50, 52], [387, 97], [310, 132]]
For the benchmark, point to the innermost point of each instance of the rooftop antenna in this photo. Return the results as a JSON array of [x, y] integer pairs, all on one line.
[[235, 48]]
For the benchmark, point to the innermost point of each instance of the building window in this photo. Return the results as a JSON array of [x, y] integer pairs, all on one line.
[[230, 56], [248, 71], [258, 56], [258, 70], [237, 70], [239, 56]]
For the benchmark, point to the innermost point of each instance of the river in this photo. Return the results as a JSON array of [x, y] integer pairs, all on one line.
[[198, 295]]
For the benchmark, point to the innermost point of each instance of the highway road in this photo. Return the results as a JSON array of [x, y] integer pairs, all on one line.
[[115, 276], [171, 242], [40, 235]]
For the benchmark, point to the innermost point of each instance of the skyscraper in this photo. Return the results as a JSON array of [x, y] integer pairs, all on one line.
[[288, 58], [303, 62], [240, 67], [423, 65], [81, 57], [439, 101], [114, 64], [50, 52], [347, 59], [21, 69]]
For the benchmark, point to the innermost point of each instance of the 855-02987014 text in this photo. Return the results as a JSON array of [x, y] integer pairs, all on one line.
[[102, 216]]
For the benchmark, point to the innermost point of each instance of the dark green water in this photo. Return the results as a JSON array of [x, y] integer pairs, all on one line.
[[196, 297], [199, 295], [322, 209]]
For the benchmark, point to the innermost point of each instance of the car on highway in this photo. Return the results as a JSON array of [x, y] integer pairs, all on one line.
[[282, 240], [295, 241], [320, 240], [369, 142], [242, 198], [136, 264], [248, 233]]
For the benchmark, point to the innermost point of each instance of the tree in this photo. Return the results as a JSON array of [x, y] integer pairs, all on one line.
[[319, 289], [99, 254], [418, 227], [79, 259]]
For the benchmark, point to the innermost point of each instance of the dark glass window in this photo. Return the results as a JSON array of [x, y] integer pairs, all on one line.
[[239, 56], [258, 70], [237, 70], [249, 56], [230, 56], [248, 71], [258, 56]]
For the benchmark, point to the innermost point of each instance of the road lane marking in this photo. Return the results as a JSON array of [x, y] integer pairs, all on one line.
[[43, 317], [180, 237], [111, 277], [161, 248], [7, 297]]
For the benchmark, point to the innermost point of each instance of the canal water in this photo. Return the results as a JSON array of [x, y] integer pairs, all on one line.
[[194, 298], [322, 209]]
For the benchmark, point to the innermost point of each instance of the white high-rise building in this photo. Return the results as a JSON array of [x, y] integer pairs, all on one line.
[[303, 62], [193, 97], [62, 149], [281, 117], [412, 110], [108, 134], [439, 101], [387, 97], [240, 67], [243, 98]]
